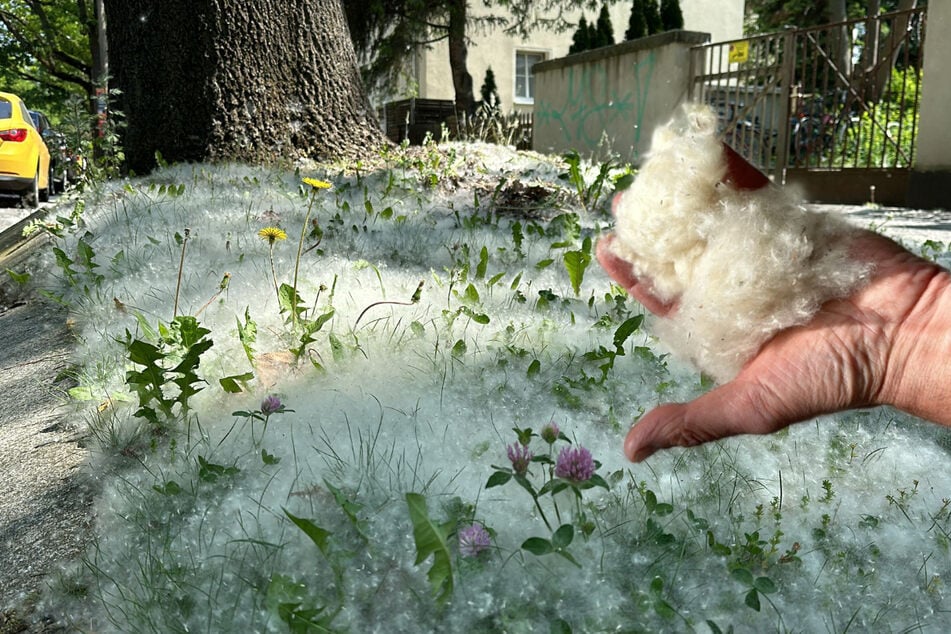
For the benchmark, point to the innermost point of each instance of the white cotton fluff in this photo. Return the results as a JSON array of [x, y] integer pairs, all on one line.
[[742, 264]]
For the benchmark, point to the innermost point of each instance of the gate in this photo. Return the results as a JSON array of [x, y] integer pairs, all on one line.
[[833, 109]]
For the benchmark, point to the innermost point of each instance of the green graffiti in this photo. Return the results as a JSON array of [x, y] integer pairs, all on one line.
[[590, 105]]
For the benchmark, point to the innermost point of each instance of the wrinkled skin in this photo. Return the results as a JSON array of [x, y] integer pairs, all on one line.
[[889, 343]]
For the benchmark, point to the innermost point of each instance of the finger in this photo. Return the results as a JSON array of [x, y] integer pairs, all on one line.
[[730, 410], [622, 273]]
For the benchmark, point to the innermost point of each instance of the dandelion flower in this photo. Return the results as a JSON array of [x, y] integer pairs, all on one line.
[[272, 234], [317, 184], [575, 464], [473, 540], [519, 456]]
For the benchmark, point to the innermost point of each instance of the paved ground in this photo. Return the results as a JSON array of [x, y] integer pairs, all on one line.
[[46, 497]]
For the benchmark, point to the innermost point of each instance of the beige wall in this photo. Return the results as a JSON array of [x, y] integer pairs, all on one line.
[[610, 100], [934, 135], [723, 19]]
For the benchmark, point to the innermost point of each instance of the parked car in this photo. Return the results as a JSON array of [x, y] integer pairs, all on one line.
[[24, 157], [65, 164]]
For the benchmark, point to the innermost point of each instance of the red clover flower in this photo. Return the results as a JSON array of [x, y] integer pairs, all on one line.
[[519, 456], [550, 432], [575, 464], [270, 405], [473, 540]]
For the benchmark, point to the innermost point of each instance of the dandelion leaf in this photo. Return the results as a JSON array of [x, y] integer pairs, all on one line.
[[430, 539]]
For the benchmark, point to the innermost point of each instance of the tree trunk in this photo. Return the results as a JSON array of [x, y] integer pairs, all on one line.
[[458, 52], [246, 80]]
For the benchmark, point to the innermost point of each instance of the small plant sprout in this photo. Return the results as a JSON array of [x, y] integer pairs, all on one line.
[[272, 235], [181, 267], [417, 295]]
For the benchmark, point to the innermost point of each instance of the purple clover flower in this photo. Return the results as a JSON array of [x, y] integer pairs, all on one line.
[[551, 432], [473, 540], [271, 404], [519, 456], [575, 464]]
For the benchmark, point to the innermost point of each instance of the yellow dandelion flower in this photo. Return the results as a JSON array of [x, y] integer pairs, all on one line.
[[317, 184], [272, 234]]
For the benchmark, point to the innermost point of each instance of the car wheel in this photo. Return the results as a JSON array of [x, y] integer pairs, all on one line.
[[31, 197], [44, 193]]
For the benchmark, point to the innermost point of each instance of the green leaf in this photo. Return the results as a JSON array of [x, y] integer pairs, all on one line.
[[430, 539], [247, 334], [169, 488], [765, 585], [483, 263], [752, 600], [268, 458], [316, 534], [19, 278], [350, 509], [563, 536], [559, 626], [231, 385], [625, 330], [742, 575], [459, 349], [498, 479], [576, 262], [479, 318], [538, 546], [534, 368]]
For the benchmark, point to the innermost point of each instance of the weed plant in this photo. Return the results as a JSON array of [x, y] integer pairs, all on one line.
[[411, 420]]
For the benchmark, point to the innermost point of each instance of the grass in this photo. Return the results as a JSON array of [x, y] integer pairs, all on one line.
[[435, 301]]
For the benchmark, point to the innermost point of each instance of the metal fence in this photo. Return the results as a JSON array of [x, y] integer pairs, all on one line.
[[839, 96]]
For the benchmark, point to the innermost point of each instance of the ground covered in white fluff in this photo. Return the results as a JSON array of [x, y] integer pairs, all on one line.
[[842, 523]]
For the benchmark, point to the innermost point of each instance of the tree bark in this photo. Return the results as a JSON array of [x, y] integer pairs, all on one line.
[[458, 54], [245, 80]]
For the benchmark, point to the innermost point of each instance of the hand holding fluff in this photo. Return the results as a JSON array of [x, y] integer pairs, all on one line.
[[736, 263]]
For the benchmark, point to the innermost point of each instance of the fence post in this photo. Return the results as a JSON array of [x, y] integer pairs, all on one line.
[[785, 101]]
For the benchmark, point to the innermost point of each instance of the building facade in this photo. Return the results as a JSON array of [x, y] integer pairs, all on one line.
[[511, 58]]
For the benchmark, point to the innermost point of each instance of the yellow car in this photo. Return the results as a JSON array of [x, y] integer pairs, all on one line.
[[24, 157]]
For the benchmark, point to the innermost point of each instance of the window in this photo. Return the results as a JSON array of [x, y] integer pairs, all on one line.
[[525, 76]]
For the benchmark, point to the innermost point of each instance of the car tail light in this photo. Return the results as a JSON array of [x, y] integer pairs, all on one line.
[[17, 135]]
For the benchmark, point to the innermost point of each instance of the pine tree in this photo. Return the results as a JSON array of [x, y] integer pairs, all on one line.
[[652, 17], [491, 102], [637, 24], [671, 16], [605, 30], [581, 40]]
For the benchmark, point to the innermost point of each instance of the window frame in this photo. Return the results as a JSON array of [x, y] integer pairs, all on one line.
[[526, 51]]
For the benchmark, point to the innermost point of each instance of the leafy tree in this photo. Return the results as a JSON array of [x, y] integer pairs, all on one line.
[[248, 80], [49, 49], [605, 30], [671, 17], [637, 23]]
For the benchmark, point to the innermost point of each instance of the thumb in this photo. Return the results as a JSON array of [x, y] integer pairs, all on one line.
[[729, 410]]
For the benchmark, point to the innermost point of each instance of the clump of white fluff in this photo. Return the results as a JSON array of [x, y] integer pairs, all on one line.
[[741, 265]]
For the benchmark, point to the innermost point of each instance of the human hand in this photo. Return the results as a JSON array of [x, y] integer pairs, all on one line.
[[888, 343]]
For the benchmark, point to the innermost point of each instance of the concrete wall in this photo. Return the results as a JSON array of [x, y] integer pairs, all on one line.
[[610, 100], [930, 184]]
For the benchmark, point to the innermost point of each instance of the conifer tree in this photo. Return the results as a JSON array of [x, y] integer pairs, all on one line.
[[581, 40], [652, 17], [636, 24], [605, 30], [491, 102], [671, 16]]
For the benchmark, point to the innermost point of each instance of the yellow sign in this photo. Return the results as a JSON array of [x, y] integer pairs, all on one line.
[[739, 51]]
